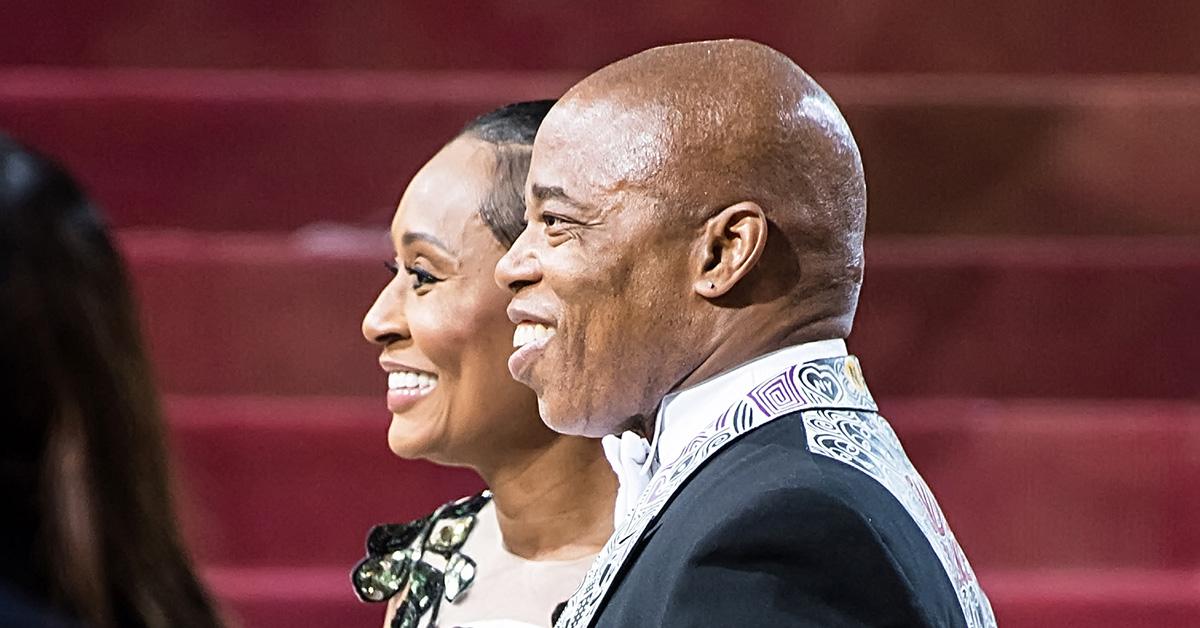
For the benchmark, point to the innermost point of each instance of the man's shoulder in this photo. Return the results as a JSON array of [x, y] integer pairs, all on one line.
[[766, 504], [773, 479], [816, 484], [775, 462], [774, 499]]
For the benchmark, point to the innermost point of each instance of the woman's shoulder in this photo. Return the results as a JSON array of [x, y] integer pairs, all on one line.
[[421, 558]]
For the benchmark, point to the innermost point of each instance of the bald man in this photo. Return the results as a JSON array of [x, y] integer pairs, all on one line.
[[689, 272]]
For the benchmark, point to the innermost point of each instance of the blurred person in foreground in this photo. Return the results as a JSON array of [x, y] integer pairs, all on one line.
[[89, 534], [694, 247], [516, 551]]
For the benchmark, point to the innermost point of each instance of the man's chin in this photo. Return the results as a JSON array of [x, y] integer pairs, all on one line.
[[529, 379], [556, 420], [569, 421]]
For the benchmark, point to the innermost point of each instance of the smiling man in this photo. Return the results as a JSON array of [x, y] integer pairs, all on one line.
[[691, 266]]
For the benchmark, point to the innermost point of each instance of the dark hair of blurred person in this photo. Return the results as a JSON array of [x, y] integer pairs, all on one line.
[[89, 527]]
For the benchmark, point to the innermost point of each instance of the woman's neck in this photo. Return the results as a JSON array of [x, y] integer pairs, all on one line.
[[554, 502]]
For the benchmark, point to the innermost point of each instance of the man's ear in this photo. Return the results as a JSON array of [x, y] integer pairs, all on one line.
[[731, 245]]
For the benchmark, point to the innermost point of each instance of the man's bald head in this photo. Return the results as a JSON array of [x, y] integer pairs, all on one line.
[[705, 125], [714, 204]]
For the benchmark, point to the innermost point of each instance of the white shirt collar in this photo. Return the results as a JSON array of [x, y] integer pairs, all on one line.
[[682, 415]]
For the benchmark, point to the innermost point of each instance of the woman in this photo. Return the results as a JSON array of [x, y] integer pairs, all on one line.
[[517, 551], [89, 534]]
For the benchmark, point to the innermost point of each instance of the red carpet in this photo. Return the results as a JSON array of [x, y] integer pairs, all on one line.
[[996, 317], [1022, 36], [1059, 519], [1058, 483], [1033, 270], [272, 150]]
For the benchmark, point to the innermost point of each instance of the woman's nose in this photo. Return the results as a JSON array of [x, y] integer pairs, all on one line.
[[385, 322]]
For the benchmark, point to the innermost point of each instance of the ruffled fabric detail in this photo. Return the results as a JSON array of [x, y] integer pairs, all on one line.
[[421, 561]]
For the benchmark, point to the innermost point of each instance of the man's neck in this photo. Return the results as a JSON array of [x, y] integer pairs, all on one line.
[[744, 343], [555, 502]]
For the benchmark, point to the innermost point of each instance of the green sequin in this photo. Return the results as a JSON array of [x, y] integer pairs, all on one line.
[[460, 573], [422, 560]]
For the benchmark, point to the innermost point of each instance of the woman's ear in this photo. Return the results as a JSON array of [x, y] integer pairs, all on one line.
[[731, 245]]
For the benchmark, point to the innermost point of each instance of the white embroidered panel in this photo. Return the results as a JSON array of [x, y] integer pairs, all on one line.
[[865, 441]]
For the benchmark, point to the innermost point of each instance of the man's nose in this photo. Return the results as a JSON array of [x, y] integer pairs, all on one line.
[[385, 322], [519, 267]]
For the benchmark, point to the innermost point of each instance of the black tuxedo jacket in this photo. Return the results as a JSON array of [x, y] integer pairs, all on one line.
[[768, 534]]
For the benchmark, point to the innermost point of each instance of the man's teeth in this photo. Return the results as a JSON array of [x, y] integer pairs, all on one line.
[[411, 382], [531, 332]]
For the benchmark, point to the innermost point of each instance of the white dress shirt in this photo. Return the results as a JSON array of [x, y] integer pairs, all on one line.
[[684, 414]]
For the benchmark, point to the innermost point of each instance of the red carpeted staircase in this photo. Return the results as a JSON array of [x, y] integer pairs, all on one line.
[[1033, 267]]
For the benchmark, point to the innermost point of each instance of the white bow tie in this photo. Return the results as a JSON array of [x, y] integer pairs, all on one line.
[[627, 454]]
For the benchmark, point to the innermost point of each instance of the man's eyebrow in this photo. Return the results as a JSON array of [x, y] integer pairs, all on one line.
[[555, 193], [417, 236]]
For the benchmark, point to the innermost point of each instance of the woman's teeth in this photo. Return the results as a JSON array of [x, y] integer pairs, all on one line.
[[531, 332], [410, 382]]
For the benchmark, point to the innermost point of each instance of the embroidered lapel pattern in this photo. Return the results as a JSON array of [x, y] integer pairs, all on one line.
[[830, 383], [865, 441], [842, 423]]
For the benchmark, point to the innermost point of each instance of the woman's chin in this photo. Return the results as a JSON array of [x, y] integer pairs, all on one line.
[[411, 439]]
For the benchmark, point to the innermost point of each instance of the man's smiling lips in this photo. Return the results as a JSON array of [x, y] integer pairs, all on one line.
[[530, 337]]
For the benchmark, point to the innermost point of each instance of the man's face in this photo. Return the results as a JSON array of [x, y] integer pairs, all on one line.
[[600, 275]]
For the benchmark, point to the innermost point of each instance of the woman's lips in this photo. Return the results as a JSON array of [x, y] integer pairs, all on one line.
[[399, 401], [407, 388]]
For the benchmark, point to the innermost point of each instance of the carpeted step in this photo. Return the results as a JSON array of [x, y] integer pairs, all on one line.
[[286, 597], [268, 150], [293, 482], [1095, 598], [1025, 36], [1063, 484], [281, 315], [269, 598], [1025, 485]]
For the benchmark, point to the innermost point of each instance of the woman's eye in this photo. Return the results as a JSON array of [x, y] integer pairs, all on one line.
[[421, 277]]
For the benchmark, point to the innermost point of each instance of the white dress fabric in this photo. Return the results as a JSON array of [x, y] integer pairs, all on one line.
[[509, 591]]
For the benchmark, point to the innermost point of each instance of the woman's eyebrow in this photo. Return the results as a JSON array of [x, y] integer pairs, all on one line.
[[417, 236]]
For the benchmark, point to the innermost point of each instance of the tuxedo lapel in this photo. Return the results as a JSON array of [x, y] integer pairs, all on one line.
[[834, 383]]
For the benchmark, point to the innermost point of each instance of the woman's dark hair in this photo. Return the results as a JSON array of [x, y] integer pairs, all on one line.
[[89, 524], [510, 129]]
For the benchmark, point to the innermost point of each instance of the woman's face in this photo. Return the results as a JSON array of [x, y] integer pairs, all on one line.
[[441, 322]]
